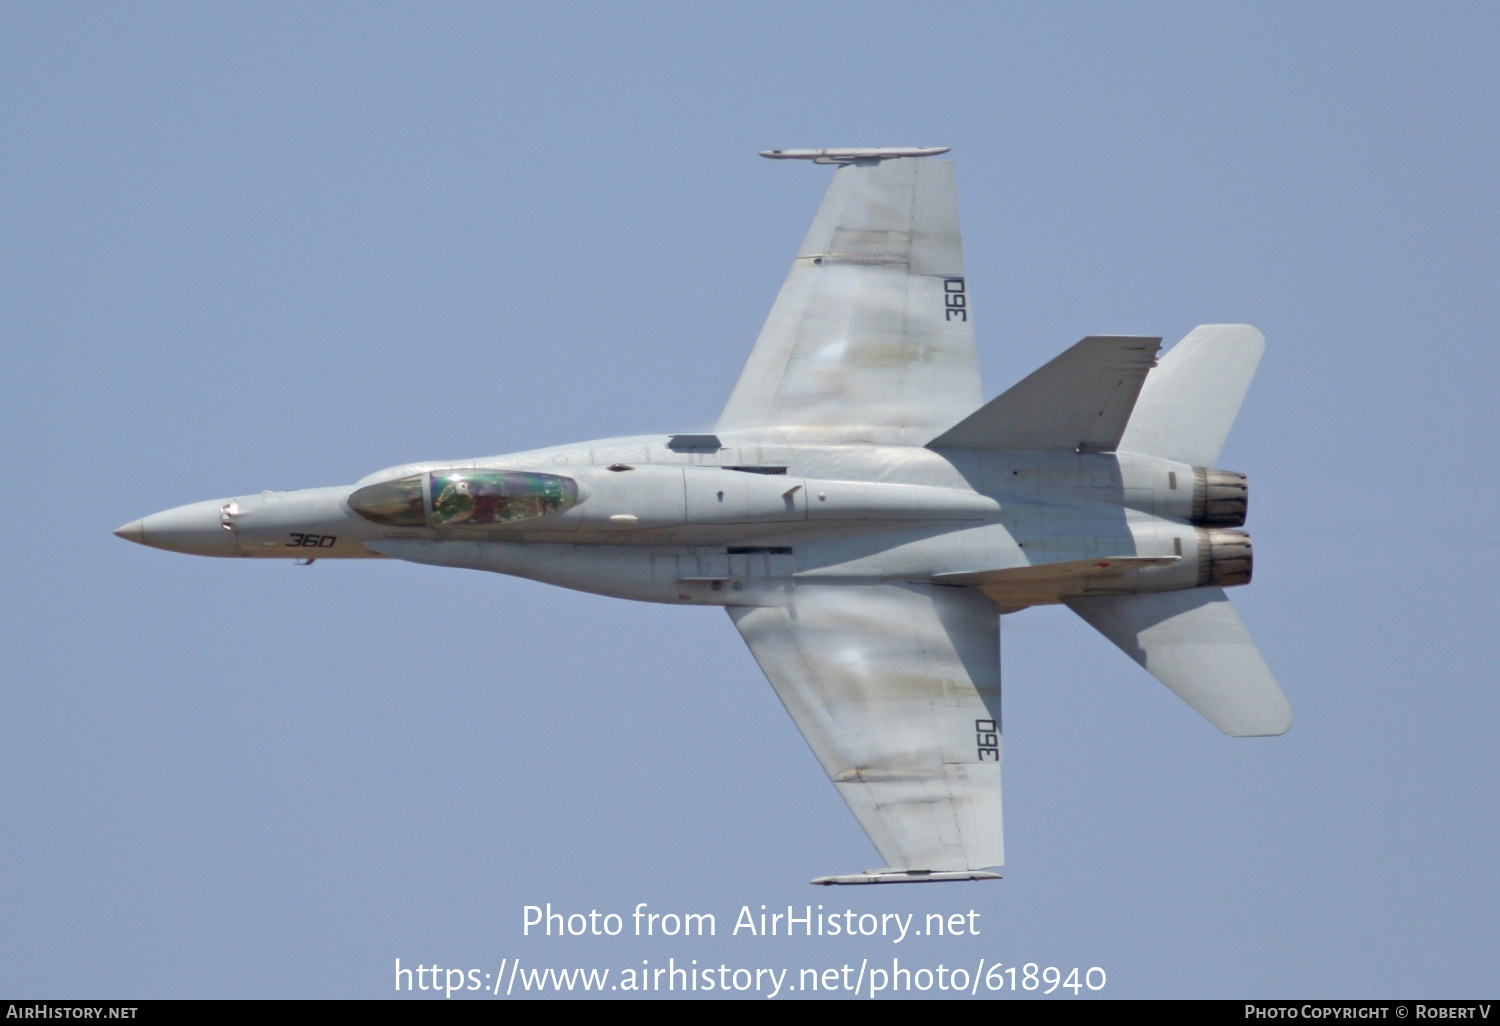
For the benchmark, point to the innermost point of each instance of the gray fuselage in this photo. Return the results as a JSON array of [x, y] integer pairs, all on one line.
[[658, 520]]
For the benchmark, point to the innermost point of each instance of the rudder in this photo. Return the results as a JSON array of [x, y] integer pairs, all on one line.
[[1189, 401]]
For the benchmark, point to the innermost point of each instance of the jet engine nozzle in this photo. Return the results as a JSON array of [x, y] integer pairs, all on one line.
[[1221, 498], [1225, 558]]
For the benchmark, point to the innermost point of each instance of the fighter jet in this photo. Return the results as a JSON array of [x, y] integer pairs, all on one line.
[[864, 518]]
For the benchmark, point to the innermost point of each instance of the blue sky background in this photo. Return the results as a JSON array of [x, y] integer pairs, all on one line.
[[285, 245]]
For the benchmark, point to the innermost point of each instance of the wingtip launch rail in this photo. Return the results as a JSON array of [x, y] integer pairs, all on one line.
[[854, 154], [898, 876]]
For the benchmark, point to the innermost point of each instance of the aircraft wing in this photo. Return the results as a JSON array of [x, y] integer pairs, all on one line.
[[897, 689], [872, 328]]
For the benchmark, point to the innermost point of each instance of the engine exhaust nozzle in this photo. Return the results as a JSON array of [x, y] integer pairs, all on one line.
[[1225, 558], [1221, 498]]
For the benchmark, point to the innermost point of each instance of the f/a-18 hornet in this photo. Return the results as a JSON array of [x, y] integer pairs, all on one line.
[[864, 518]]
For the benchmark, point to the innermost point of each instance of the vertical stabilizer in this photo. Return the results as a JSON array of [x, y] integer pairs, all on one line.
[[1189, 402]]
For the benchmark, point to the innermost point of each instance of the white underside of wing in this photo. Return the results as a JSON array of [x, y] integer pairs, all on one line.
[[872, 332], [897, 689]]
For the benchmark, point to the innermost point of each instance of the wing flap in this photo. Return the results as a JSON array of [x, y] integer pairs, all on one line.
[[1195, 643], [1079, 401], [897, 690]]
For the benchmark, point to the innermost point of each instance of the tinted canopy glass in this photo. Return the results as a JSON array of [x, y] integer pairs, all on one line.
[[463, 497], [459, 498], [396, 503]]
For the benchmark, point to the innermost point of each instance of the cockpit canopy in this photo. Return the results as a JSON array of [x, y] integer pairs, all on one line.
[[462, 498]]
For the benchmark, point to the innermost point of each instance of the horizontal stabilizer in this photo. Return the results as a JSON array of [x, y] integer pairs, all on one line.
[[1195, 643], [1021, 586], [1080, 401], [888, 876], [1189, 403]]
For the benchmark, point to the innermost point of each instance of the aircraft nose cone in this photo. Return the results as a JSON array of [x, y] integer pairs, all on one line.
[[132, 532], [196, 529]]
